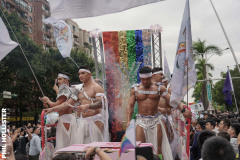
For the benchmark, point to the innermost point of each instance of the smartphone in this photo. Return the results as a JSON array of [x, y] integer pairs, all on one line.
[[145, 152]]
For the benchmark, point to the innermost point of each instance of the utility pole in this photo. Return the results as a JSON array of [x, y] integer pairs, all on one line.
[[209, 92]]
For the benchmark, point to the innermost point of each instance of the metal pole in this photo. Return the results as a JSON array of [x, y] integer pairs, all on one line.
[[235, 101], [95, 57], [153, 50], [208, 83], [103, 64], [217, 79], [226, 36], [74, 62], [160, 48]]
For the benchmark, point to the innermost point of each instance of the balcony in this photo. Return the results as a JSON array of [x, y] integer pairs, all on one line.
[[21, 8]]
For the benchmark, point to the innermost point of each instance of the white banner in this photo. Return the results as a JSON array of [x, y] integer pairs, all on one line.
[[184, 67], [6, 44], [62, 35], [166, 69], [69, 9], [197, 107]]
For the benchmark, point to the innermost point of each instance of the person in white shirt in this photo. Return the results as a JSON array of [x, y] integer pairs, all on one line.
[[35, 144]]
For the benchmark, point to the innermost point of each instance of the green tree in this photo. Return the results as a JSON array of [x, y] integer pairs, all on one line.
[[200, 48]]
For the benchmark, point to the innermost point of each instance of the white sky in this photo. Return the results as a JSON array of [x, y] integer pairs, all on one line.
[[169, 15]]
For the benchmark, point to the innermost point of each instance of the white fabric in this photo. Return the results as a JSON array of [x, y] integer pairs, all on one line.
[[174, 143], [6, 44], [65, 138], [63, 76], [179, 84], [158, 72], [149, 126], [166, 68], [88, 131], [69, 9], [84, 70], [62, 34], [105, 115], [145, 75], [64, 90]]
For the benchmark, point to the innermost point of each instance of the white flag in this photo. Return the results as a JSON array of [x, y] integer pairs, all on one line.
[[62, 35], [166, 68], [180, 85], [6, 44], [69, 9]]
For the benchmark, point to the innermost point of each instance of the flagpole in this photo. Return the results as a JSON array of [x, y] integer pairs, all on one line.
[[23, 52], [233, 90], [230, 46], [235, 100], [74, 62]]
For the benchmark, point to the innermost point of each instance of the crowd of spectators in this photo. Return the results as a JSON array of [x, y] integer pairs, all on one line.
[[212, 137], [215, 137], [26, 140]]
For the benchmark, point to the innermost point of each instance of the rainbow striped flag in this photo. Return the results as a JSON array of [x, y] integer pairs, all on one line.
[[129, 138], [125, 53]]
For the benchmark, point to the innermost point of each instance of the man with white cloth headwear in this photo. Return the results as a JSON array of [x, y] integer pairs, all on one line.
[[92, 113], [149, 127], [66, 122]]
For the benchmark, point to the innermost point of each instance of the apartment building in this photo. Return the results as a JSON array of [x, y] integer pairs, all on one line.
[[32, 12]]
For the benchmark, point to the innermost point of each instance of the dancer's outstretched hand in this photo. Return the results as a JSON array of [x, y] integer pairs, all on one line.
[[49, 110], [44, 99], [187, 114]]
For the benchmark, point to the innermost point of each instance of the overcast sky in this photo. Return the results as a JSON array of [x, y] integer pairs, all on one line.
[[169, 15]]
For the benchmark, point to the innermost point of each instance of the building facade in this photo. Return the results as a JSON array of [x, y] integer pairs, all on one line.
[[32, 12]]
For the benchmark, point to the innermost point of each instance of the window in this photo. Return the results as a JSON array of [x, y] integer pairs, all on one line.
[[43, 17], [29, 8], [47, 40], [3, 3], [43, 7], [30, 19], [43, 37], [30, 30], [43, 27]]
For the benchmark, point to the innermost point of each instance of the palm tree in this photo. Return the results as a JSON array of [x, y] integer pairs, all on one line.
[[200, 49]]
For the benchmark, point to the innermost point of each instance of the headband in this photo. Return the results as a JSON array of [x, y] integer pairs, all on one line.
[[158, 72], [85, 70], [145, 75], [63, 76]]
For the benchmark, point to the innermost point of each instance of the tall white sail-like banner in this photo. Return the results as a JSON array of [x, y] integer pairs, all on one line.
[[184, 73], [69, 9]]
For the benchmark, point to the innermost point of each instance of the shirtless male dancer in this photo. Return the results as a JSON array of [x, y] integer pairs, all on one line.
[[89, 96], [158, 77], [148, 123], [66, 122]]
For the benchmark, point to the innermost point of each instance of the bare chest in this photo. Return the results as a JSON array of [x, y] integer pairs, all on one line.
[[87, 94]]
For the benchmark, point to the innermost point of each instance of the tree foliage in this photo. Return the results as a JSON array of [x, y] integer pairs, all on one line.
[[16, 76], [200, 49]]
